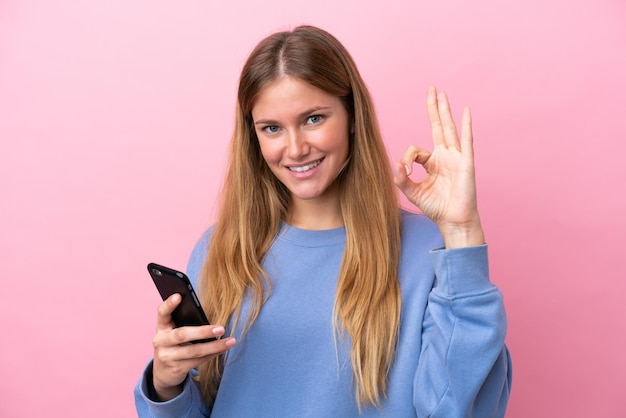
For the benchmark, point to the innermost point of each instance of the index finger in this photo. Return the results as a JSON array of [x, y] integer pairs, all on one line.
[[164, 318]]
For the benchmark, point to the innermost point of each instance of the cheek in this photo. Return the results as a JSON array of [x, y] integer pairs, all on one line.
[[269, 151], [333, 140], [341, 142]]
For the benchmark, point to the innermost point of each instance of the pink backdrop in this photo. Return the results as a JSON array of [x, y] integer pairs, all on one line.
[[114, 118]]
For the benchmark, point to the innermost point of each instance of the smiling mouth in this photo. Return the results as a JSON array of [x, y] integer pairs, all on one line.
[[307, 167]]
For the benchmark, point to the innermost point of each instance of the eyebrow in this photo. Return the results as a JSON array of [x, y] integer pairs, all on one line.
[[300, 116]]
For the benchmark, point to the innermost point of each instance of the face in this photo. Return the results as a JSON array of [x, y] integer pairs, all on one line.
[[303, 134]]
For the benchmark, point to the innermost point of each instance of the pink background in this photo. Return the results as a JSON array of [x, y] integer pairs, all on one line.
[[114, 119]]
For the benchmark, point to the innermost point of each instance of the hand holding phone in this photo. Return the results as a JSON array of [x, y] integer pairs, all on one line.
[[189, 312]]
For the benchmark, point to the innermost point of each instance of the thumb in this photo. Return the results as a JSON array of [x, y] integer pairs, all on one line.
[[401, 177], [406, 185], [164, 320]]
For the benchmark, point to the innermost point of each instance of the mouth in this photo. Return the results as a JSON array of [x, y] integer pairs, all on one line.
[[305, 168]]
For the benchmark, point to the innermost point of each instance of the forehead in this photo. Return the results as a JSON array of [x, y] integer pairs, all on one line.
[[287, 95]]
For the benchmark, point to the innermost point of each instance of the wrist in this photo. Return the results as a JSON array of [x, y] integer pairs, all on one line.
[[164, 394], [459, 236]]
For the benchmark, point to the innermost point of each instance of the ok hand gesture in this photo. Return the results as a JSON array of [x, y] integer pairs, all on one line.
[[448, 193]]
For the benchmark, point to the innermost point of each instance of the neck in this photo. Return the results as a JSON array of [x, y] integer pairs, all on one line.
[[316, 214]]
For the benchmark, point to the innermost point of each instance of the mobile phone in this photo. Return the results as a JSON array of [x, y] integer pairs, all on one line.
[[189, 312]]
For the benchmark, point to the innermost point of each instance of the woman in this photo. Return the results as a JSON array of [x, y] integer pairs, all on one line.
[[334, 302]]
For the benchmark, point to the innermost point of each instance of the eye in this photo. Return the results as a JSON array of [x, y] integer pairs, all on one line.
[[271, 129], [314, 119]]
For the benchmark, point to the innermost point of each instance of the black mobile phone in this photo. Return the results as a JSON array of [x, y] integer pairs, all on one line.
[[189, 312]]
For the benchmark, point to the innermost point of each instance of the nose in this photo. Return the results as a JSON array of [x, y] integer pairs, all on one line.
[[297, 145]]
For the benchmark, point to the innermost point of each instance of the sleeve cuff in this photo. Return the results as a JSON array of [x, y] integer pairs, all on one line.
[[173, 407], [461, 271]]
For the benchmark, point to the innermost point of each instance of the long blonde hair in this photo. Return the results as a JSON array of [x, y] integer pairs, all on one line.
[[254, 202]]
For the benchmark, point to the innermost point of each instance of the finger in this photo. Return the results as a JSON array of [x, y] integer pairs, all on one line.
[[407, 186], [414, 154], [432, 107], [177, 350], [450, 136], [187, 334], [188, 356], [208, 349], [402, 180], [404, 169], [467, 137], [168, 340], [164, 318]]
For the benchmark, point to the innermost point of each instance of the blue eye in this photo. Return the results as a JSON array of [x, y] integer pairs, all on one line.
[[271, 129], [312, 120]]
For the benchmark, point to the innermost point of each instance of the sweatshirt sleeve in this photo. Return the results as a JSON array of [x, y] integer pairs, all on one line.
[[188, 404], [464, 368]]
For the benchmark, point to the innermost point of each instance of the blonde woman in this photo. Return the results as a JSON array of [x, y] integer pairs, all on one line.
[[329, 300]]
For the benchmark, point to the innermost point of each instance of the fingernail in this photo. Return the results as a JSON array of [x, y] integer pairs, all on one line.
[[230, 342], [218, 330], [407, 169]]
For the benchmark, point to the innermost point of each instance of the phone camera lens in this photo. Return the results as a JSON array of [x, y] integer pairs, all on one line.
[[157, 272]]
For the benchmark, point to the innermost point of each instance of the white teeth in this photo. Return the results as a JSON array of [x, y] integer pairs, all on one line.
[[305, 167]]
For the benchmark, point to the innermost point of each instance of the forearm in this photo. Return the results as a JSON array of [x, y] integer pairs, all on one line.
[[464, 367]]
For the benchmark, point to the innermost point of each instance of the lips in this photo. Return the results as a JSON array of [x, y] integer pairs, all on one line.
[[305, 168]]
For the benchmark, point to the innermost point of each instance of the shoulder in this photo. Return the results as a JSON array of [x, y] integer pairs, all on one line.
[[198, 254]]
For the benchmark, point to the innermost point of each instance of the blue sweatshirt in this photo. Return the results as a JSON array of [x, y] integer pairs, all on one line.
[[451, 360]]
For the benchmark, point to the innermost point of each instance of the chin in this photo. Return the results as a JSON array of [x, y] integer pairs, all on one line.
[[311, 194]]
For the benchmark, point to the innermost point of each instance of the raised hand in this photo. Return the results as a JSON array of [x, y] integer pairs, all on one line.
[[448, 193], [175, 356]]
